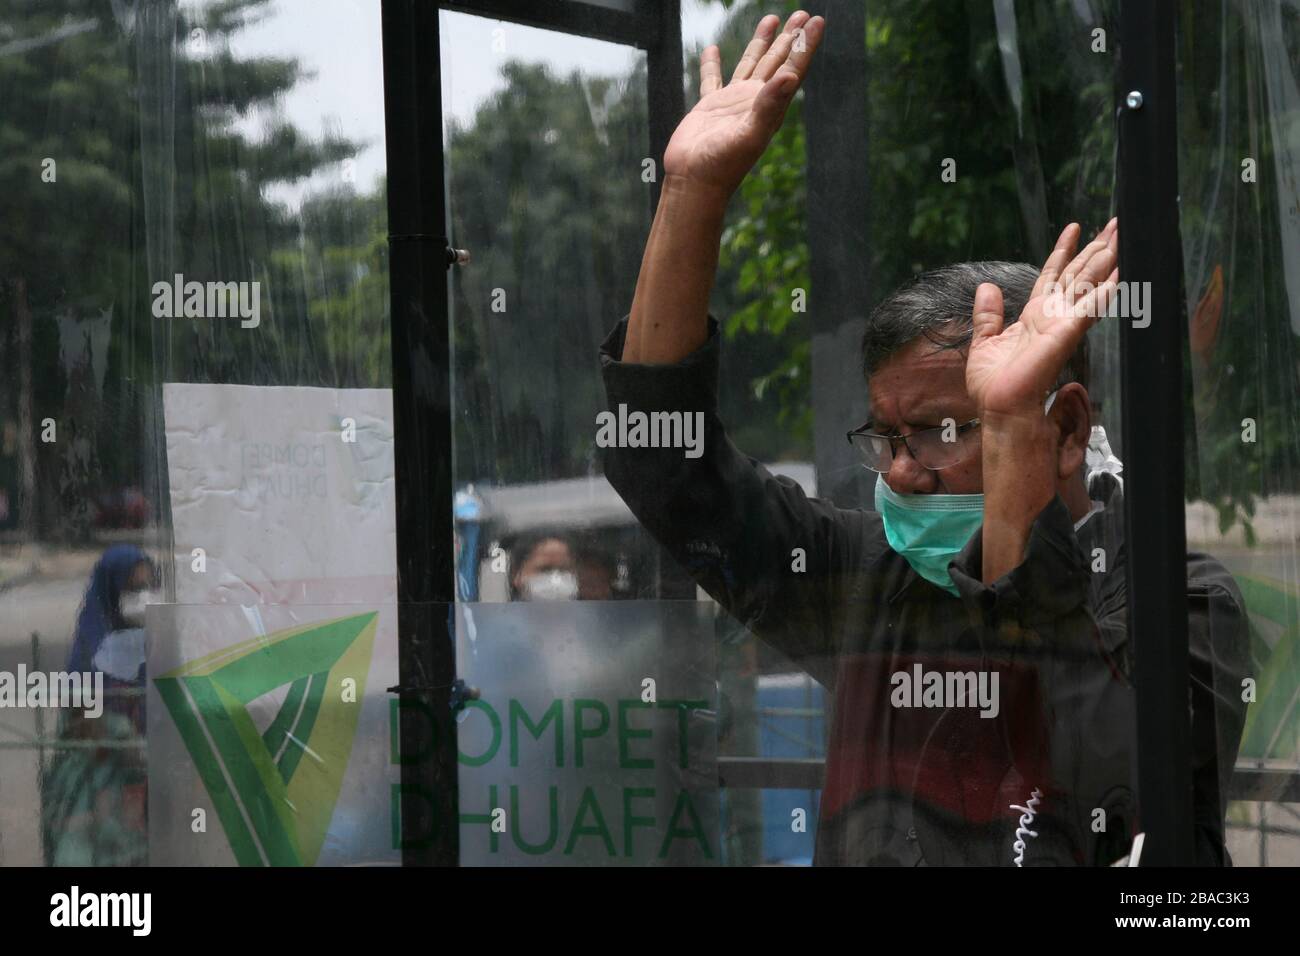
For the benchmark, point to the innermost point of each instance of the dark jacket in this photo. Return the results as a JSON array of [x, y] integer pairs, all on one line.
[[1050, 778]]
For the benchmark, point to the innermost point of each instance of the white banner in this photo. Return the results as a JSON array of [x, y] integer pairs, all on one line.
[[269, 725]]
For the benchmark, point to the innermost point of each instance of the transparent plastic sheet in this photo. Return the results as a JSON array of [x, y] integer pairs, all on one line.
[[1028, 110], [240, 148], [67, 266], [592, 737], [231, 166], [600, 714], [1017, 102], [1239, 136], [548, 192], [272, 738], [546, 134]]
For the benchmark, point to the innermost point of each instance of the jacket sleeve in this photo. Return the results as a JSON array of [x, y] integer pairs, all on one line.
[[1069, 623], [774, 558]]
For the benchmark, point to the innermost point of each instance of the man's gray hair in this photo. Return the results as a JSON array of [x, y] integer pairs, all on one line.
[[938, 305]]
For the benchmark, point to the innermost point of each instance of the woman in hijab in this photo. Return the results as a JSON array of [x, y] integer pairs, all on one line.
[[94, 789], [123, 573]]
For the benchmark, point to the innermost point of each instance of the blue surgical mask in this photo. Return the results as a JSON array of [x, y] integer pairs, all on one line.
[[929, 530]]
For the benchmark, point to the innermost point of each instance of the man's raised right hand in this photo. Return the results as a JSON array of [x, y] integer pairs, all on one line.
[[720, 140], [711, 151]]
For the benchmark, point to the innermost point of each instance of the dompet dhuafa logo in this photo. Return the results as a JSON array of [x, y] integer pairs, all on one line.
[[275, 791]]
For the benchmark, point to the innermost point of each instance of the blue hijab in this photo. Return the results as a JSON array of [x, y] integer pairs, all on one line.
[[102, 610]]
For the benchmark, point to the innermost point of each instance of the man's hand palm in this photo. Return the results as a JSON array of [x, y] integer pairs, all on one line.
[[720, 139], [1024, 360], [1011, 368]]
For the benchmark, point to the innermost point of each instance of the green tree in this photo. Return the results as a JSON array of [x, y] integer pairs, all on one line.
[[546, 191], [124, 161]]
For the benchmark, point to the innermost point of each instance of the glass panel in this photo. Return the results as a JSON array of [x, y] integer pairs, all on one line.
[[195, 304], [1240, 207]]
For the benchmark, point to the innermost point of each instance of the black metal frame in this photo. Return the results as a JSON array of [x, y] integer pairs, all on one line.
[[654, 26], [422, 430], [637, 26], [419, 255], [1151, 370]]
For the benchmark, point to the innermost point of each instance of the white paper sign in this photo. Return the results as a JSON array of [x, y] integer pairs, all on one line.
[[269, 724]]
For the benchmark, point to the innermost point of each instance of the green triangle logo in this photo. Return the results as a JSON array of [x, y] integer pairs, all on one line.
[[274, 790]]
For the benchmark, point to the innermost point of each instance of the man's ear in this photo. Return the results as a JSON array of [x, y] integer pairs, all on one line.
[[1071, 414]]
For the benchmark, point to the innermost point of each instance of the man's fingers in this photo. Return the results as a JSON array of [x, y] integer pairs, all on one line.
[[710, 71], [1096, 303], [763, 36], [986, 318], [1061, 254], [1092, 272], [780, 49], [1079, 268], [806, 41], [773, 99]]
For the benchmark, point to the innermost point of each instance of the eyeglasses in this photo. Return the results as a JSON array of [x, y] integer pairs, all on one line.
[[932, 448]]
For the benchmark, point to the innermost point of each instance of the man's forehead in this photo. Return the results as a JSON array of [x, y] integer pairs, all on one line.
[[920, 380]]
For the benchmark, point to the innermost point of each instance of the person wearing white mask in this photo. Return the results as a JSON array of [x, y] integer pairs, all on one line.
[[543, 569], [95, 799]]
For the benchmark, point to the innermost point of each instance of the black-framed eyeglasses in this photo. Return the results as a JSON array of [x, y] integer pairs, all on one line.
[[932, 448]]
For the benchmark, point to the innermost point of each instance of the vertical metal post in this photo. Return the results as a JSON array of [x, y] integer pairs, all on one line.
[[838, 210], [1151, 372], [422, 431], [666, 93]]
